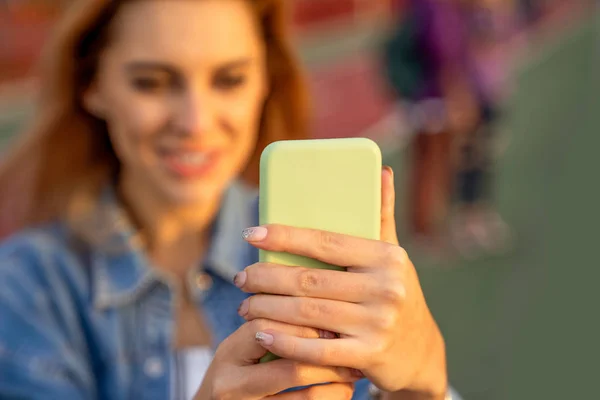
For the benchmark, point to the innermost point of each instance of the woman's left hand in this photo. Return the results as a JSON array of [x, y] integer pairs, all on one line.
[[377, 306]]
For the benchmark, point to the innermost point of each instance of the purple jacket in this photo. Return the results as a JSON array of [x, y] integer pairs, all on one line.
[[443, 29]]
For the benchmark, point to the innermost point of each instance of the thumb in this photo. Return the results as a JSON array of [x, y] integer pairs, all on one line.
[[388, 206]]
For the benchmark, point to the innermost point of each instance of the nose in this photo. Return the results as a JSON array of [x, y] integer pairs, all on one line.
[[195, 114]]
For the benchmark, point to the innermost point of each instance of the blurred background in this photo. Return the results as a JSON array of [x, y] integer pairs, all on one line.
[[509, 270]]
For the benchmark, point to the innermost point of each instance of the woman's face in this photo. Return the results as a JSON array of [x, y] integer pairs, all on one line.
[[181, 86]]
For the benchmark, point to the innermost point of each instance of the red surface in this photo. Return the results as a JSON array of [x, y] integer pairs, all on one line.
[[310, 12], [23, 29]]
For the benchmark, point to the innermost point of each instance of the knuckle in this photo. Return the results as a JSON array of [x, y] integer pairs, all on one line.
[[396, 255], [308, 281], [329, 240], [378, 351], [310, 309], [384, 320], [393, 293]]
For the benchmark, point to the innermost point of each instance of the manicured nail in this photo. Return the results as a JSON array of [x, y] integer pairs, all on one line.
[[240, 279], [243, 308], [254, 234], [264, 338]]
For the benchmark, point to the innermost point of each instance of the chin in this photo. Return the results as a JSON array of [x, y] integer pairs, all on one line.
[[185, 194], [181, 189]]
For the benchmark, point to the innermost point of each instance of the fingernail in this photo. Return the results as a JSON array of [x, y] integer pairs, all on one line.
[[240, 279], [264, 338], [254, 234], [243, 308], [357, 373], [388, 168]]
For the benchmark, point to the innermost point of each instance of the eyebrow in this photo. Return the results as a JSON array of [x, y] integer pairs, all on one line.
[[166, 68], [150, 65]]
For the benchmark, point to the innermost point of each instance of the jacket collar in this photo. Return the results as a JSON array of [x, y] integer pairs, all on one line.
[[122, 273]]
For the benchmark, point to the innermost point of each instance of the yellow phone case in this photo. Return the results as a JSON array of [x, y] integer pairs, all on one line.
[[327, 184]]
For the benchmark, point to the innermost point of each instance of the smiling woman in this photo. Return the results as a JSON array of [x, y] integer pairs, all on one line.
[[182, 115], [149, 77], [141, 162]]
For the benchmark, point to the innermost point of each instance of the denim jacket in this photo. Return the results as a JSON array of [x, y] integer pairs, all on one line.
[[96, 322]]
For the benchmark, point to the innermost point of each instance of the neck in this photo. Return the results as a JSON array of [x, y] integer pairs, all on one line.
[[175, 236]]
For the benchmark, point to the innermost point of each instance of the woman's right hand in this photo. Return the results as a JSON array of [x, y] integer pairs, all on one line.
[[236, 374]]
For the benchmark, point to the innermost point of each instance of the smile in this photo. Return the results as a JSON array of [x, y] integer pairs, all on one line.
[[190, 164]]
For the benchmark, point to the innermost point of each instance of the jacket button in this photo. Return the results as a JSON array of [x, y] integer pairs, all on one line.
[[153, 367], [203, 281]]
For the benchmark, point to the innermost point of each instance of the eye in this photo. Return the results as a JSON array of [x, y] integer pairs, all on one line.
[[229, 81], [151, 84]]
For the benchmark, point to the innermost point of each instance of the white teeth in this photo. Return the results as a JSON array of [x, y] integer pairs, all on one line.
[[191, 158]]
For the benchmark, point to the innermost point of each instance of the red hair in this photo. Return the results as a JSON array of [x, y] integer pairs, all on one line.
[[66, 152]]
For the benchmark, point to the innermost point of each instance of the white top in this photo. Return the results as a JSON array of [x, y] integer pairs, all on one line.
[[190, 366]]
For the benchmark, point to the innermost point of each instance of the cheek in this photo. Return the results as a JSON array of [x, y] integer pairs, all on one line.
[[133, 125], [244, 116]]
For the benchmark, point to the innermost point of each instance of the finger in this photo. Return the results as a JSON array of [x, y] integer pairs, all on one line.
[[343, 352], [330, 315], [307, 282], [332, 248], [243, 342], [284, 374], [388, 207], [332, 391]]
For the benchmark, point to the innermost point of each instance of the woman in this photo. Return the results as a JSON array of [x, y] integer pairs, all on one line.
[[143, 165]]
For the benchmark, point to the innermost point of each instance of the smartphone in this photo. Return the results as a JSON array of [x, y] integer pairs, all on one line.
[[326, 184]]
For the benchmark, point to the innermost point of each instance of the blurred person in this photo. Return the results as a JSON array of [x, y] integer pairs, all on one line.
[[477, 226], [429, 66], [122, 274]]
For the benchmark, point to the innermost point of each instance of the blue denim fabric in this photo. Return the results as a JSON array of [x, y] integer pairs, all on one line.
[[96, 322]]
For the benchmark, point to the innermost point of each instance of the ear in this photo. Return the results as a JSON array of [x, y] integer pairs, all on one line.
[[93, 102]]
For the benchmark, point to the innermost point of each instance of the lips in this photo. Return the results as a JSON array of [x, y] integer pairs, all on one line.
[[191, 159], [190, 164]]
